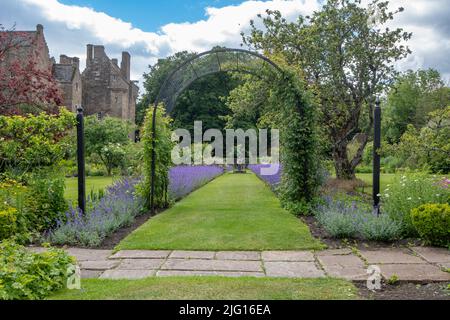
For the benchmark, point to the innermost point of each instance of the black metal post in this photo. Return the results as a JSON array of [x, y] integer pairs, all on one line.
[[376, 157], [81, 161], [152, 190]]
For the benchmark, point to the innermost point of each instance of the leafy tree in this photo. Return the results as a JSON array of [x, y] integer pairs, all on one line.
[[154, 79], [346, 59], [248, 103], [108, 139], [205, 100], [33, 141], [24, 86], [412, 98], [430, 144]]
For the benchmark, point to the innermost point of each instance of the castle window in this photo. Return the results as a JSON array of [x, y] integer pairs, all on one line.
[[99, 115], [116, 99], [76, 87]]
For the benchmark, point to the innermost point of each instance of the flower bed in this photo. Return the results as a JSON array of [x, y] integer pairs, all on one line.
[[116, 209], [344, 219], [185, 179], [272, 180]]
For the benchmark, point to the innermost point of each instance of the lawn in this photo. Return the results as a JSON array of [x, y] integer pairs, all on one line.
[[211, 288], [233, 212], [92, 183], [385, 179]]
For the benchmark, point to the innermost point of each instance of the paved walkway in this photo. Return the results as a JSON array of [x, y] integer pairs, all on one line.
[[410, 264]]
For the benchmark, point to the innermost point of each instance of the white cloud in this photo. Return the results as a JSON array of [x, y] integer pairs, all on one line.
[[69, 28]]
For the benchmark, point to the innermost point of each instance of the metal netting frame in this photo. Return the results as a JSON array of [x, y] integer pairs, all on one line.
[[185, 86]]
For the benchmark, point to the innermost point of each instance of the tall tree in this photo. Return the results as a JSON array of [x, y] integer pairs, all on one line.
[[24, 86], [204, 100], [347, 57], [154, 79], [414, 95]]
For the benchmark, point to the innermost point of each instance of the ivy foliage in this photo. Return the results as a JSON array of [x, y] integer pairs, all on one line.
[[299, 142], [163, 147]]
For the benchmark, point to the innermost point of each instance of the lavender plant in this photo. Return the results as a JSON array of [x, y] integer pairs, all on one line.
[[185, 179], [273, 180], [343, 219], [119, 207]]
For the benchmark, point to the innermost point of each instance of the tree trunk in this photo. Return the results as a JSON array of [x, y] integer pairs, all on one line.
[[343, 167]]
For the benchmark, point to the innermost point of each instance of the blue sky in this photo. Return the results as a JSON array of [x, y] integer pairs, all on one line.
[[151, 15]]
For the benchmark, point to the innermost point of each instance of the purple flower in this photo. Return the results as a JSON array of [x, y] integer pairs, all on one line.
[[185, 179], [272, 180]]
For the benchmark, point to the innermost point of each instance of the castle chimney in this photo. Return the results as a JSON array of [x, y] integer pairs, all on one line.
[[76, 62], [63, 59], [115, 62], [40, 29], [99, 52], [125, 66], [89, 55]]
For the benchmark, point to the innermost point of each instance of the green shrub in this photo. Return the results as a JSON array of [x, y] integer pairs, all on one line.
[[29, 276], [408, 192], [13, 218], [8, 222], [432, 222], [45, 202]]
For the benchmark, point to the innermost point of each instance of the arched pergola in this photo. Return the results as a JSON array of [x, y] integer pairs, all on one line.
[[203, 64]]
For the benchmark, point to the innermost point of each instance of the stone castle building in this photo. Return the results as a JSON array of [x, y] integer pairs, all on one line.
[[103, 89], [29, 45], [67, 74], [107, 88]]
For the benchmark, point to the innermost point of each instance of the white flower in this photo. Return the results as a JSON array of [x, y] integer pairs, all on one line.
[[386, 195], [379, 195], [409, 198], [438, 195]]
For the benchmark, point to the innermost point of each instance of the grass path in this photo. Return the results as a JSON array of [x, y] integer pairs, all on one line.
[[211, 288], [233, 212]]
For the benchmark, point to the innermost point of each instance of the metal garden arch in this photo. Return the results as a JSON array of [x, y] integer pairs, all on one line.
[[198, 66]]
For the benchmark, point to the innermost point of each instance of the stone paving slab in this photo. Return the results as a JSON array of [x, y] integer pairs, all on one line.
[[127, 274], [390, 256], [140, 264], [433, 255], [287, 256], [88, 254], [444, 265], [334, 252], [342, 261], [414, 272], [347, 273], [292, 269], [140, 254], [238, 255], [415, 264], [177, 254], [180, 273], [98, 264], [212, 265]]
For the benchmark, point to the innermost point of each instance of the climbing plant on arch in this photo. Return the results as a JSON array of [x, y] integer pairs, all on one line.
[[298, 147]]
